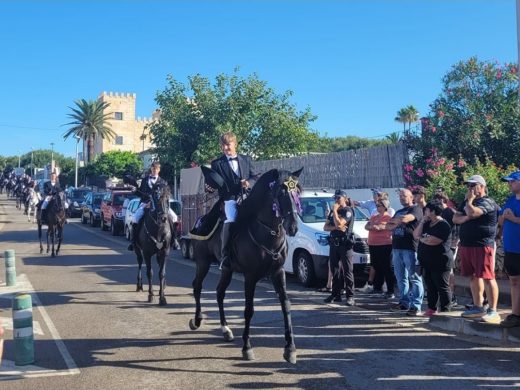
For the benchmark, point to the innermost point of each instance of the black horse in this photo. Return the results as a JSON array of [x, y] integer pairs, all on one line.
[[259, 248], [154, 238], [55, 221]]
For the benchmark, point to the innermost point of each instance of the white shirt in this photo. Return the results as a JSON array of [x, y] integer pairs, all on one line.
[[233, 164]]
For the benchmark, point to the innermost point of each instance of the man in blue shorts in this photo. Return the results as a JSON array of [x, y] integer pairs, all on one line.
[[510, 222]]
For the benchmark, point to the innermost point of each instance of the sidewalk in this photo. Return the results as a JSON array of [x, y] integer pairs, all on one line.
[[504, 297]]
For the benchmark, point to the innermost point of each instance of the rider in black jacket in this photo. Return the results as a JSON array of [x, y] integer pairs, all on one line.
[[144, 192], [237, 172]]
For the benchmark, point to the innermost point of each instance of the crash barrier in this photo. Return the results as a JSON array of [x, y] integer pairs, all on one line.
[[10, 267], [23, 335]]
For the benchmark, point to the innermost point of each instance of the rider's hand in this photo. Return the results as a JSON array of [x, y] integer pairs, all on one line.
[[132, 188], [245, 183], [208, 188]]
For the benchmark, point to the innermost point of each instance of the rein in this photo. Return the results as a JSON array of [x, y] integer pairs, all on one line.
[[274, 254]]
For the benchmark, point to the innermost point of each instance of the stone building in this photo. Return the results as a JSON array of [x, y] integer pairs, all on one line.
[[128, 128]]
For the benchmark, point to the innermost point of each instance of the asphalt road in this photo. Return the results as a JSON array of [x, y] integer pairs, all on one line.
[[93, 331]]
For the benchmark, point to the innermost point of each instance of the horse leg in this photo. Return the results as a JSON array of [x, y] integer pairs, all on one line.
[[223, 284], [161, 259], [48, 238], [149, 274], [247, 349], [200, 274], [278, 278], [53, 237], [40, 236], [139, 268], [59, 231]]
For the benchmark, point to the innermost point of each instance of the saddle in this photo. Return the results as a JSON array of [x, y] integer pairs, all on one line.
[[206, 225]]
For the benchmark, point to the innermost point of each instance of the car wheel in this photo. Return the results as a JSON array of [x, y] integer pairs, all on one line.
[[184, 249], [83, 220], [113, 229], [127, 233], [92, 221], [304, 267], [191, 251]]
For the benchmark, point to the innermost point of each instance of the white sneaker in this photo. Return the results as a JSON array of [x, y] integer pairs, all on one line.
[[367, 288], [491, 317]]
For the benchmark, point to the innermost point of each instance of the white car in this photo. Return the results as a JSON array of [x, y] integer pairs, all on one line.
[[309, 249]]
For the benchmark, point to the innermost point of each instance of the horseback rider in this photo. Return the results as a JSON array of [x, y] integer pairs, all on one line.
[[144, 192], [237, 172], [50, 188]]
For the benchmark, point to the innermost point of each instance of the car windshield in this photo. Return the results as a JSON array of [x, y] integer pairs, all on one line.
[[77, 194], [119, 199], [317, 210]]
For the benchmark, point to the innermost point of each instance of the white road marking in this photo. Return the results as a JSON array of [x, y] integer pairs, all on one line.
[[9, 371]]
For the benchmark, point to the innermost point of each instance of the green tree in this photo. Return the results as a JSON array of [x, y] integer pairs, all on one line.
[[90, 121], [338, 144], [193, 117], [116, 163], [476, 116]]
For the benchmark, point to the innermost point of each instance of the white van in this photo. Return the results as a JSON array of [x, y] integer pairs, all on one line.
[[309, 249]]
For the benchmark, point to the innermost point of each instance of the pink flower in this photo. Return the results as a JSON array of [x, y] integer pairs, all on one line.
[[434, 129], [431, 172], [441, 114], [429, 160], [407, 177], [408, 167], [513, 70], [419, 172], [499, 75], [442, 161], [461, 164], [449, 166]]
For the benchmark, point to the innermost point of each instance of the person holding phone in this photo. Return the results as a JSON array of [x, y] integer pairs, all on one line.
[[478, 218]]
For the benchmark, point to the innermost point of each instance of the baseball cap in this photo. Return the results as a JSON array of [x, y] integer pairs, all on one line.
[[376, 190], [512, 176], [476, 179], [340, 193]]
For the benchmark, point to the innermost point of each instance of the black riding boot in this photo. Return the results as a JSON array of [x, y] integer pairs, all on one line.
[[133, 236], [225, 238], [43, 216]]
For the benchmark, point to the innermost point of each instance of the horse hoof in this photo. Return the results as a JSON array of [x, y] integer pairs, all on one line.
[[193, 325], [139, 288], [41, 251], [162, 301], [248, 354], [150, 298], [290, 356], [228, 336]]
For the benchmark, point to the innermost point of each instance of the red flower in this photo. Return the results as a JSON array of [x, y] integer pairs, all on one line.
[[419, 172]]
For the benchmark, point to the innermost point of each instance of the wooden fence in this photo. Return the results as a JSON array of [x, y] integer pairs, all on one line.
[[380, 166]]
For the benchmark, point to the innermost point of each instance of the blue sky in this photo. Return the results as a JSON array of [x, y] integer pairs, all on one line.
[[354, 63]]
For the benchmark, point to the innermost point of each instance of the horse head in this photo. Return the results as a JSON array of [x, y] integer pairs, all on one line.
[[287, 200]]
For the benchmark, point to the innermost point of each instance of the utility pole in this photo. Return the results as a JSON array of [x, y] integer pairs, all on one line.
[[76, 175]]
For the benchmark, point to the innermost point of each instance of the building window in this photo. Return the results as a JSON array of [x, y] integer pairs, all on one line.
[[118, 116], [119, 140]]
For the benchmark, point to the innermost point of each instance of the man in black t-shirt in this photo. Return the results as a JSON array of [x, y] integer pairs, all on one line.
[[478, 218], [404, 247]]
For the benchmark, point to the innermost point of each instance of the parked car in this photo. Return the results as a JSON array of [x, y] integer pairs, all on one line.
[[112, 217], [75, 197], [309, 249], [91, 208]]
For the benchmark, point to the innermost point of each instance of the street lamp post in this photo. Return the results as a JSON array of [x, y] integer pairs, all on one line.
[[52, 157], [76, 175]]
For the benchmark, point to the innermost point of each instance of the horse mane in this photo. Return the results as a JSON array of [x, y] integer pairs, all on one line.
[[256, 198]]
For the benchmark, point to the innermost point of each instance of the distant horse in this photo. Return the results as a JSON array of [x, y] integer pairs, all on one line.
[[153, 238], [55, 222], [31, 204], [258, 249]]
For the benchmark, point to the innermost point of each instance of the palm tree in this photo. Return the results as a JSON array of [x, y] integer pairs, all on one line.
[[407, 115], [402, 117], [412, 116], [393, 138], [89, 122]]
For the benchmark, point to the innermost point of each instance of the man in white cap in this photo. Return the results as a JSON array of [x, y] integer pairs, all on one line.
[[478, 217], [510, 222]]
